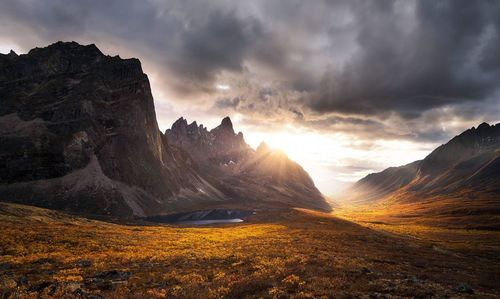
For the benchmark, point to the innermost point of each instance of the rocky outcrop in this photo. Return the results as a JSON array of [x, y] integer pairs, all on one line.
[[218, 146], [78, 131]]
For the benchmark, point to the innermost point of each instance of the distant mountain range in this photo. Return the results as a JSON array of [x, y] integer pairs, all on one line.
[[459, 178], [78, 132]]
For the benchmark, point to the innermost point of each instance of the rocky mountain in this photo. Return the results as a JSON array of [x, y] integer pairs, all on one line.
[[459, 177], [470, 160], [78, 132], [261, 177], [218, 146]]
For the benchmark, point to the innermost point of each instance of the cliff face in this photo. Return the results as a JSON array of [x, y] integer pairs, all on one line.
[[78, 131]]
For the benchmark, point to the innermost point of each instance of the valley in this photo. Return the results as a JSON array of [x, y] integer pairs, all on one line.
[[287, 253]]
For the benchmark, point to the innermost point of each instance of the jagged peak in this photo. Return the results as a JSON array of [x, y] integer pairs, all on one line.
[[180, 122], [483, 128], [225, 126], [484, 125], [240, 137], [226, 123], [10, 55]]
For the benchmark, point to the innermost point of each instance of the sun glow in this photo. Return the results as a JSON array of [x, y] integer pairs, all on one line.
[[315, 152], [299, 146], [335, 160]]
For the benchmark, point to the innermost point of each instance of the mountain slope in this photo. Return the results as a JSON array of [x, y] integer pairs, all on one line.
[[377, 185], [78, 131], [260, 178], [458, 179]]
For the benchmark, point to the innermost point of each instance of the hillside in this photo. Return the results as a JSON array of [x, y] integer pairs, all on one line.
[[459, 181]]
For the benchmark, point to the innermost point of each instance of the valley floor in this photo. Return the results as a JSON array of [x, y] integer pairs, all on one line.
[[444, 233], [281, 254]]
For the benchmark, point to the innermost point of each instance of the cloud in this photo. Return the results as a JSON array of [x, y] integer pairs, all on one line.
[[419, 71], [227, 103], [411, 59], [205, 48], [188, 42]]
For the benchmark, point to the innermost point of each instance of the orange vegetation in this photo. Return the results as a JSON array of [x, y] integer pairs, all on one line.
[[276, 254]]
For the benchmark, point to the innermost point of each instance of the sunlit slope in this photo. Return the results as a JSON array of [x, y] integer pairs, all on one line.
[[298, 254], [458, 183]]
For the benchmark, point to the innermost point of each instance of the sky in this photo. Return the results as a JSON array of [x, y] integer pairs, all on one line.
[[345, 88]]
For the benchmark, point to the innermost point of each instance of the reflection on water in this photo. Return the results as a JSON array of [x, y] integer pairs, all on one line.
[[213, 221], [204, 217]]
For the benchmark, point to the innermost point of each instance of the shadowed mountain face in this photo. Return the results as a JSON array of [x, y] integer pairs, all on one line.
[[463, 173], [78, 132], [262, 177], [471, 159], [216, 147]]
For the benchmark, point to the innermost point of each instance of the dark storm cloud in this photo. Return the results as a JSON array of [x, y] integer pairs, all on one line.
[[383, 64], [227, 103], [412, 61], [188, 41], [220, 42]]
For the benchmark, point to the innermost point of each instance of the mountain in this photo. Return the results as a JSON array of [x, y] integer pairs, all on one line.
[[470, 160], [261, 177], [78, 132], [218, 146], [377, 185], [461, 177]]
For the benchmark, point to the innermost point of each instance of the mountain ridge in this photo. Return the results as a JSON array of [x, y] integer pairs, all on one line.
[[458, 178], [78, 132]]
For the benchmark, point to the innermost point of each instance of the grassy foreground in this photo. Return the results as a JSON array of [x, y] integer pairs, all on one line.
[[279, 254]]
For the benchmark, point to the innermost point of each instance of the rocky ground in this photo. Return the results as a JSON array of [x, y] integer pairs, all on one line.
[[280, 254]]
